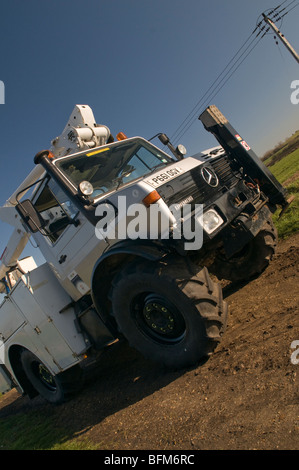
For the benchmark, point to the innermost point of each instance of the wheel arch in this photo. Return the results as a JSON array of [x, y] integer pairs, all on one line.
[[24, 383], [111, 262], [14, 355]]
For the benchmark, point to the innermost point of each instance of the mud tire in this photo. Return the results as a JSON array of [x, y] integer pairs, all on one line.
[[55, 389], [168, 311], [252, 260]]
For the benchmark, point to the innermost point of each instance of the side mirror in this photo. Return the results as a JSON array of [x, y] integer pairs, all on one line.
[[30, 216], [179, 152]]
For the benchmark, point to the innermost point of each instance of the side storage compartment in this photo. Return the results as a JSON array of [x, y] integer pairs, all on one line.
[[40, 298], [11, 321]]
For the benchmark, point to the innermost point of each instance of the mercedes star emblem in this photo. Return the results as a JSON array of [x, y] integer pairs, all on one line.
[[209, 176]]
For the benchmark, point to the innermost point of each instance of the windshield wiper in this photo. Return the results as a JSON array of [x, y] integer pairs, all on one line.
[[155, 167]]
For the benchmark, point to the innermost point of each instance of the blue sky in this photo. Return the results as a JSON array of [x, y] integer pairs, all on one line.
[[141, 66]]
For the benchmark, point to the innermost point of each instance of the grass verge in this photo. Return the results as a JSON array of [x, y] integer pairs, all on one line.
[[287, 173], [37, 431]]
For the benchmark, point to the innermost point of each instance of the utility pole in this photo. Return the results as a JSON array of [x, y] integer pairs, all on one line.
[[281, 37]]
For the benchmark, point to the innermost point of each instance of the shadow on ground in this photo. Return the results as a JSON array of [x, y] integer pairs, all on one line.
[[122, 379]]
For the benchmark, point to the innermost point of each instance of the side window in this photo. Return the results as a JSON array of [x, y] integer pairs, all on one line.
[[56, 210]]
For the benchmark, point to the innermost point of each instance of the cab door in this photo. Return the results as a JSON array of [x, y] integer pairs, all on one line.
[[67, 240]]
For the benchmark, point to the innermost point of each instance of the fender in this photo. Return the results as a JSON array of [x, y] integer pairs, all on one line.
[[111, 262]]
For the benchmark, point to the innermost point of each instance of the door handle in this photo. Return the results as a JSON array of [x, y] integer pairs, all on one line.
[[62, 259]]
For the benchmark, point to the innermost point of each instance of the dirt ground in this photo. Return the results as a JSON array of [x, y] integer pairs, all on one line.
[[246, 396]]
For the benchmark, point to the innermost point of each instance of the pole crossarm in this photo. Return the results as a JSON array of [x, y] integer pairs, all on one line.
[[281, 37]]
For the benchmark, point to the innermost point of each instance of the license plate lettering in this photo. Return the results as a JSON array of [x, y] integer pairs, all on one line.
[[159, 179]]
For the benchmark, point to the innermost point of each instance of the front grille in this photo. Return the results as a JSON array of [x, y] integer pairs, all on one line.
[[192, 184], [226, 175]]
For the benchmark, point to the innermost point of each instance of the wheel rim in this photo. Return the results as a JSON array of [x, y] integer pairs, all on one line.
[[44, 376], [157, 318]]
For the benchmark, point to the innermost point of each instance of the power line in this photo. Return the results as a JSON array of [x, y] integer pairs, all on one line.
[[237, 67], [183, 128], [275, 15], [295, 6], [212, 85], [214, 88], [282, 38], [271, 12], [215, 92]]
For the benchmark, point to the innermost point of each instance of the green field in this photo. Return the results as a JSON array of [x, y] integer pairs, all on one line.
[[37, 430], [283, 162], [286, 171], [281, 150]]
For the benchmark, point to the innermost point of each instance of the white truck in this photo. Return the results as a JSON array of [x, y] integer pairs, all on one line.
[[102, 282]]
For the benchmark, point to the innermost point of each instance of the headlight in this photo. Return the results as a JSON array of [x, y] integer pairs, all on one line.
[[211, 220], [86, 188], [181, 149]]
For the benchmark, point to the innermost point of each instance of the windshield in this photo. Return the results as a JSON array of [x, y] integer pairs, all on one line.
[[109, 168]]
